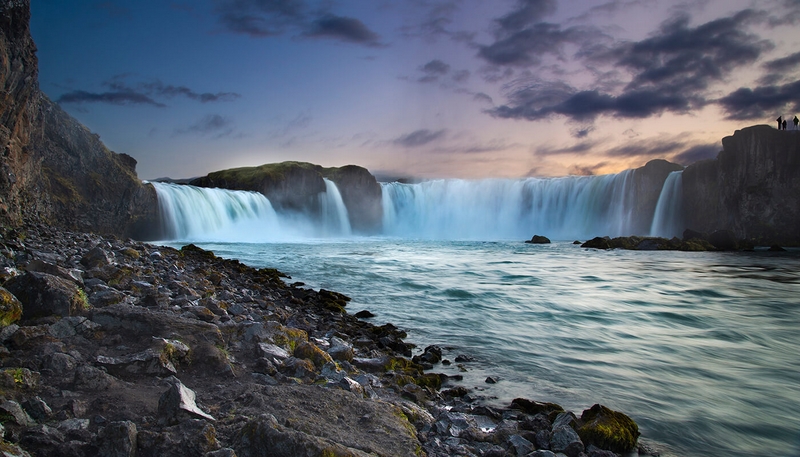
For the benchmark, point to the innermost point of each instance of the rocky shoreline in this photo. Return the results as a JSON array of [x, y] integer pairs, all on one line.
[[120, 348]]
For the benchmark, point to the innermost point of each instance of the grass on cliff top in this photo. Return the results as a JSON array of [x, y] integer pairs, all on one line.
[[253, 176]]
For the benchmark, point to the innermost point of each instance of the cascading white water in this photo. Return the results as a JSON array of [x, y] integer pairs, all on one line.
[[204, 214], [201, 214], [668, 220], [335, 221], [561, 208], [574, 207]]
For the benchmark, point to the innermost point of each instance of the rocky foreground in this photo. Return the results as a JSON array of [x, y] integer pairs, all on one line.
[[119, 348]]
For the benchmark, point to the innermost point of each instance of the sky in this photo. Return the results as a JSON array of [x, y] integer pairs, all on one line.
[[419, 88]]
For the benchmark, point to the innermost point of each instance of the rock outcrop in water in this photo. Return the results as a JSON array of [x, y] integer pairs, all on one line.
[[52, 168], [295, 186], [752, 188]]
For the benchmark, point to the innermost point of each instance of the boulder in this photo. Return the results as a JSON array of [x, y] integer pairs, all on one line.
[[43, 295], [118, 439], [608, 429], [10, 308], [538, 239], [178, 403], [310, 351], [192, 437], [566, 440], [723, 240], [265, 437], [95, 258], [598, 243]]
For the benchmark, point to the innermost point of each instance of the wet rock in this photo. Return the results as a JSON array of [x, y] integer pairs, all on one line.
[[776, 248], [566, 418], [608, 429], [178, 402], [520, 445], [431, 355], [598, 243], [364, 314], [44, 295], [491, 380], [566, 440], [538, 239], [534, 407]]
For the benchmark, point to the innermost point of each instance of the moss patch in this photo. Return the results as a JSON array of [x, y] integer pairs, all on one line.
[[608, 429], [10, 308]]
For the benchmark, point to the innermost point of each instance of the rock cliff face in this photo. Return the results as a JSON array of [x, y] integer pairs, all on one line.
[[295, 186], [751, 188], [52, 168]]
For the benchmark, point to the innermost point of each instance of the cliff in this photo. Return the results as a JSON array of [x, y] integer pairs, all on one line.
[[295, 186], [53, 169], [752, 188]]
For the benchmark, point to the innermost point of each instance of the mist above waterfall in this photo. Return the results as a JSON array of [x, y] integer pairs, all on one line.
[[574, 207]]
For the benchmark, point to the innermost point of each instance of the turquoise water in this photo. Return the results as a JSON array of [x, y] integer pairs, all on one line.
[[699, 348]]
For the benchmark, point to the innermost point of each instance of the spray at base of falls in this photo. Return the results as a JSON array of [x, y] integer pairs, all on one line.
[[573, 207]]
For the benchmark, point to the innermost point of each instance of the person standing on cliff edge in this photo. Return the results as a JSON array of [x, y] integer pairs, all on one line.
[[796, 121], [784, 124], [779, 119]]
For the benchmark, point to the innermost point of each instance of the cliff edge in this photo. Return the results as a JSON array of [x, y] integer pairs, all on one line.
[[752, 188], [52, 168]]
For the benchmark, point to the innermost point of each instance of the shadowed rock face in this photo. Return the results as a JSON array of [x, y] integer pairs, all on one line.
[[751, 188], [52, 168], [295, 186]]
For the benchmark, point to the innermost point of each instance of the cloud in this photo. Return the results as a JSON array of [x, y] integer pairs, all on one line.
[[418, 138], [344, 29], [580, 149], [259, 18], [787, 63], [481, 97], [697, 153], [586, 170], [526, 47], [112, 98], [264, 18], [121, 93], [433, 70], [526, 13], [763, 101], [210, 124], [670, 71]]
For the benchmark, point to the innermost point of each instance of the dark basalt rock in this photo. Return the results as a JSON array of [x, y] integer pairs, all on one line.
[[44, 295], [598, 243], [539, 239], [723, 240]]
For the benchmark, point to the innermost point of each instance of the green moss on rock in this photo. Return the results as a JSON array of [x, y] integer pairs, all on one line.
[[10, 308], [608, 429]]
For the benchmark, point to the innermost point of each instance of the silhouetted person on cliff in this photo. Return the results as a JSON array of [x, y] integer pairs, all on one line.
[[779, 119], [796, 121], [784, 124]]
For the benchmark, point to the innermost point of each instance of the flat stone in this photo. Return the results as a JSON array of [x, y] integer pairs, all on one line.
[[179, 400]]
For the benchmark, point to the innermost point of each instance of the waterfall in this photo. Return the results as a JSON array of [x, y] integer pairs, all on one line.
[[192, 213], [334, 214], [561, 208], [201, 214], [668, 220], [573, 207]]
